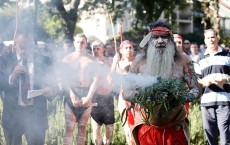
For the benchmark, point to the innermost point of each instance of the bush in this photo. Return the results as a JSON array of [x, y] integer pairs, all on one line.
[[197, 136]]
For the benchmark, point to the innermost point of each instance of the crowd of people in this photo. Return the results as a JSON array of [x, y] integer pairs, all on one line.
[[84, 74]]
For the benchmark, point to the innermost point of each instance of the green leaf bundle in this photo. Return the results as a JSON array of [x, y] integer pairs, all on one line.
[[167, 93]]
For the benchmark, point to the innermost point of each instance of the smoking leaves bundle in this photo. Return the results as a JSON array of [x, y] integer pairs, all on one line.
[[166, 94]]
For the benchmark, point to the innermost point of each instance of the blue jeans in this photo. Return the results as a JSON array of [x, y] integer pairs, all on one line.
[[216, 122]]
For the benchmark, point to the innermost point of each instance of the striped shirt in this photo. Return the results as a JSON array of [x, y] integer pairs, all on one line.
[[210, 68]]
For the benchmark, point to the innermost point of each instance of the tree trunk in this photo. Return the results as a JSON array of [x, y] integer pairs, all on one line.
[[68, 19]]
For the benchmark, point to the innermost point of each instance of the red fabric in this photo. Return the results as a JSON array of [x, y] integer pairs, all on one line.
[[125, 43], [130, 115], [161, 30], [148, 135], [187, 108], [177, 36], [130, 118]]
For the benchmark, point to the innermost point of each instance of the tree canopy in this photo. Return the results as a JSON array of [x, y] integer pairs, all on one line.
[[146, 11], [62, 15]]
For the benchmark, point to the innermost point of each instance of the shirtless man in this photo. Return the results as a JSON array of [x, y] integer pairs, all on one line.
[[81, 85], [178, 39], [122, 66], [103, 113], [162, 59]]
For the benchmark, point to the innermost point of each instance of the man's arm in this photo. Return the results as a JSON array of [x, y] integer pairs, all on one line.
[[5, 74], [192, 81], [134, 68], [87, 100]]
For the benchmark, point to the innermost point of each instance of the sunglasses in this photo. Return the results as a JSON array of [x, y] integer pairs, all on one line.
[[186, 43]]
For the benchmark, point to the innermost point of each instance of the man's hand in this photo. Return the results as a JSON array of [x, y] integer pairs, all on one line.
[[204, 82], [221, 82], [83, 102], [116, 58], [76, 101], [19, 71], [136, 62]]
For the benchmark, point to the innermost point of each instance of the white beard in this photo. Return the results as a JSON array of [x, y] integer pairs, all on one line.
[[160, 62]]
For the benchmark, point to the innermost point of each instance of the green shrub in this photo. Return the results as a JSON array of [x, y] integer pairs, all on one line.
[[197, 136]]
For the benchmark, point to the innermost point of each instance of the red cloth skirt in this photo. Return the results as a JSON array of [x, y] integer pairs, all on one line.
[[148, 135]]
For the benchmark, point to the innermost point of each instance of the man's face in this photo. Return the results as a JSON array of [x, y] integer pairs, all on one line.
[[160, 41], [160, 57], [98, 50], [127, 50], [110, 50], [211, 40], [186, 44], [179, 44], [80, 43], [22, 46], [194, 49]]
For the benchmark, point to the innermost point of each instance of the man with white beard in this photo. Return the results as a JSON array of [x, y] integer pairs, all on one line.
[[163, 60]]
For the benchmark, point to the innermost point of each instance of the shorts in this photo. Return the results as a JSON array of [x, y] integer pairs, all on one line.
[[78, 111], [103, 113]]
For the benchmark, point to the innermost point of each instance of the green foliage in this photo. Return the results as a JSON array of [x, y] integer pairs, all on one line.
[[4, 3], [146, 11], [118, 132], [197, 136], [194, 37], [7, 22], [55, 23], [78, 30], [134, 35], [225, 39], [153, 9], [91, 7], [166, 93], [53, 27], [2, 139], [55, 132]]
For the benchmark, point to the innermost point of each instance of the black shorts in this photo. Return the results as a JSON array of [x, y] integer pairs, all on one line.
[[78, 111], [103, 113]]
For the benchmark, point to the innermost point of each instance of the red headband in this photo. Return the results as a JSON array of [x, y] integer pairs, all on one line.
[[161, 30], [125, 43], [177, 36]]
